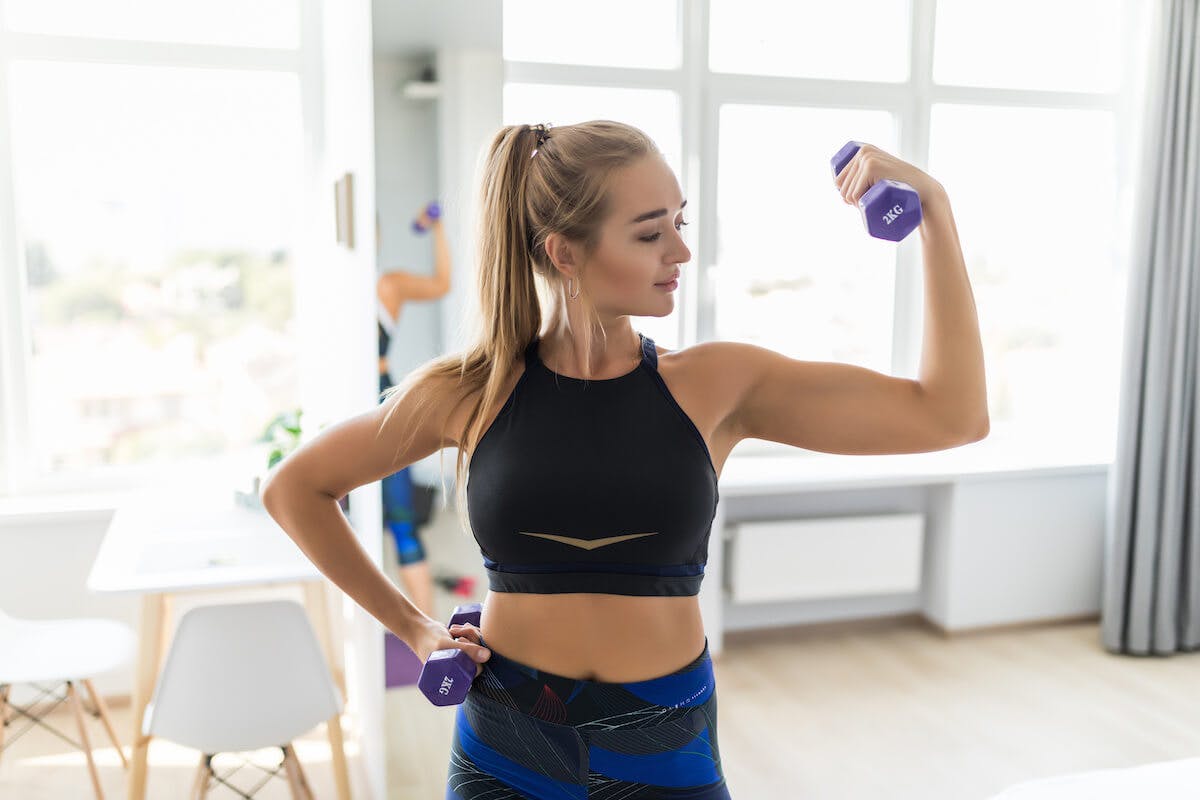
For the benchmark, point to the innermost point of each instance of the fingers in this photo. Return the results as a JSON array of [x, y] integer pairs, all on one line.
[[844, 175], [858, 184], [861, 184], [848, 178], [468, 630], [468, 638]]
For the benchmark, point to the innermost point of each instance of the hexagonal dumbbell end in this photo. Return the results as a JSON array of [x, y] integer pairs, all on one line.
[[470, 613], [446, 677], [842, 157], [447, 674], [890, 209]]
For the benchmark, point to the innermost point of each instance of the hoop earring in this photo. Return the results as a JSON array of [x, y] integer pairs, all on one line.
[[569, 284]]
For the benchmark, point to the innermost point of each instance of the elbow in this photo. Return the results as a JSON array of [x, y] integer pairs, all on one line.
[[266, 494], [979, 430], [270, 489], [278, 491]]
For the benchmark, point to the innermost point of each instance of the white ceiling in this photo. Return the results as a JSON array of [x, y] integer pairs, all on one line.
[[419, 27]]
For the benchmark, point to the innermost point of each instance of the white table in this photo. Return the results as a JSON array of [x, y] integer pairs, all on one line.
[[158, 545]]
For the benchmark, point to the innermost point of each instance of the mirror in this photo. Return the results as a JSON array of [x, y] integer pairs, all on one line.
[[437, 99]]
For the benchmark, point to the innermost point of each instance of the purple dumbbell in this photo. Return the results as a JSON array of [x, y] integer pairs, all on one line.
[[447, 675], [890, 209], [434, 211]]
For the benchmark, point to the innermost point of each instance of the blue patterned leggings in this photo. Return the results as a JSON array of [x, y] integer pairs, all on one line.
[[398, 515], [527, 733]]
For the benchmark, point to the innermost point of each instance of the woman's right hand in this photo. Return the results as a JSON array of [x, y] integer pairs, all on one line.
[[432, 635], [427, 221]]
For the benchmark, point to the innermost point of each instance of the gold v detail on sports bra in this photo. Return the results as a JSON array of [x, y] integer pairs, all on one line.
[[588, 544]]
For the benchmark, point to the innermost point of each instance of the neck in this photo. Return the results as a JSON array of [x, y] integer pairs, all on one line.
[[568, 353]]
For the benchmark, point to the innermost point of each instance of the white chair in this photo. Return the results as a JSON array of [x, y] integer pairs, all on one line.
[[58, 651], [239, 677]]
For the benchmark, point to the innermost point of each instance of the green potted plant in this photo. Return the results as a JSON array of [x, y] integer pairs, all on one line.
[[282, 435]]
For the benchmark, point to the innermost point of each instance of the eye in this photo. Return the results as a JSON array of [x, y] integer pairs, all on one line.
[[656, 236]]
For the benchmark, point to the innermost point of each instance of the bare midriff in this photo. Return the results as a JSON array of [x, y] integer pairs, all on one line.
[[597, 637]]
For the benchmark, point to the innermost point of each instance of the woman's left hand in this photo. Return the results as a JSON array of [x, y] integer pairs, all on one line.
[[871, 165]]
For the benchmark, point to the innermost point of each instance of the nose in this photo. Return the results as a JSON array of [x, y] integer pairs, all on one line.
[[684, 255]]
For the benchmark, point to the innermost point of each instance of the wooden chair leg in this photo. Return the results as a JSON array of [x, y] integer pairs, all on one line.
[[308, 792], [200, 782], [297, 781], [3, 714], [102, 709], [77, 704]]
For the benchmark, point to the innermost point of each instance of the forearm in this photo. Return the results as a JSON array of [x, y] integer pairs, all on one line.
[[952, 371], [315, 522], [441, 255]]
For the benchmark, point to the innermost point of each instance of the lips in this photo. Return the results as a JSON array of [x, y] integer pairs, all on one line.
[[668, 280]]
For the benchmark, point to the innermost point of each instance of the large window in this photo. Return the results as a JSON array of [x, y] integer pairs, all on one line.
[[1033, 151], [155, 200]]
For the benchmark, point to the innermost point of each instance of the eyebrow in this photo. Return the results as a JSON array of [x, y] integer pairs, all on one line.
[[652, 214]]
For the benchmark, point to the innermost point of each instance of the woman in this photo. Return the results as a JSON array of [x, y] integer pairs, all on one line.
[[594, 457], [399, 514]]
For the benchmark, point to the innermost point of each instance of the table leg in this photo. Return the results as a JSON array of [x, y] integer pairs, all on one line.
[[341, 775], [152, 640], [316, 600]]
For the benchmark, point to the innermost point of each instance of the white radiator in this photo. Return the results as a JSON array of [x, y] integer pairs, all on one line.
[[824, 557]]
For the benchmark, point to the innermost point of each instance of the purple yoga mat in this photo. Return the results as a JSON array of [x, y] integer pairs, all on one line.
[[402, 667]]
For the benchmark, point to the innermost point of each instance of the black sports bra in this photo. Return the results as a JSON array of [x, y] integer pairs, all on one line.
[[592, 486]]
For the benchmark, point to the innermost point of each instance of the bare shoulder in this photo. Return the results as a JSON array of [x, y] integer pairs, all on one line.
[[459, 401], [708, 379]]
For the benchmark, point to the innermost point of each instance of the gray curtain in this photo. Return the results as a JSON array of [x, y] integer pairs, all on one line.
[[1151, 603]]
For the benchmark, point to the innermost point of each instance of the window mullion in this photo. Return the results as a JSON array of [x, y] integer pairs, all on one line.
[[700, 168], [14, 405], [907, 316]]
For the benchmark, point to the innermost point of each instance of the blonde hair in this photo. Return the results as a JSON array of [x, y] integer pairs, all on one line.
[[563, 189]]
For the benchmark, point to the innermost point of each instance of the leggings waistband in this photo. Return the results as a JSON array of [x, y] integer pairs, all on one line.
[[578, 701]]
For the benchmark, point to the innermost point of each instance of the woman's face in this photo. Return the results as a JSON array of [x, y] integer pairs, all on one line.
[[633, 256]]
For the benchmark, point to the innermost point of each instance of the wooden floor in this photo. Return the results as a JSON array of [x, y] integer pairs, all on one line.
[[880, 709]]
